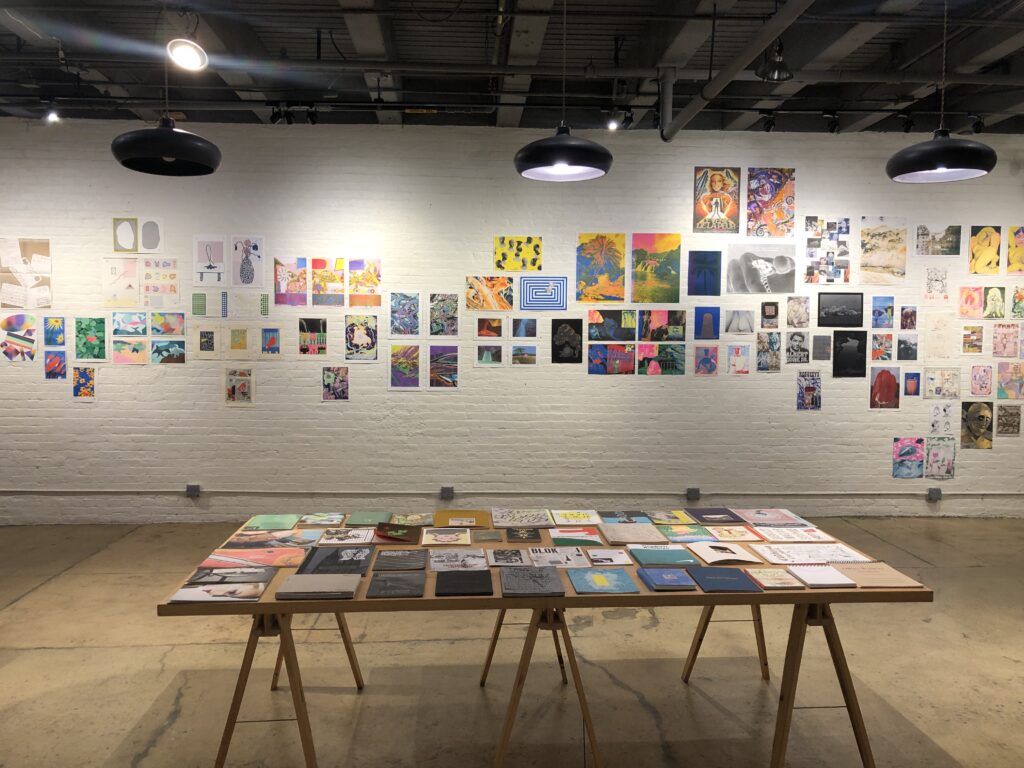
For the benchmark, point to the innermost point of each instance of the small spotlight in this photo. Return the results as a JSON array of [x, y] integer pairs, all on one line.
[[187, 54], [627, 121], [614, 120], [977, 123], [769, 123], [289, 117], [312, 116], [908, 121], [52, 116], [276, 116], [833, 121]]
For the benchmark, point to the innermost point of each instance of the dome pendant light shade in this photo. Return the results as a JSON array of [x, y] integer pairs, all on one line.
[[166, 151], [187, 54], [941, 159], [774, 69], [563, 157]]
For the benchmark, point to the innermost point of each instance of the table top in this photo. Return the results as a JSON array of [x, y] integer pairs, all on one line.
[[643, 598]]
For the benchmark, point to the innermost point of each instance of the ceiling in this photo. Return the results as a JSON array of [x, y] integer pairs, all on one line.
[[858, 64]]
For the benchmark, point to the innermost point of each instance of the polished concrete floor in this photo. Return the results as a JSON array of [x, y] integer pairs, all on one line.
[[90, 676]]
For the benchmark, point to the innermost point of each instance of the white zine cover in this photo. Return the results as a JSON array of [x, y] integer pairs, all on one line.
[[811, 534], [559, 557], [795, 554], [609, 556]]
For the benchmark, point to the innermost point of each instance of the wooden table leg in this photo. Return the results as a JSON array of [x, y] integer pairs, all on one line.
[[558, 653], [291, 661], [490, 649], [762, 649], [277, 667], [236, 701], [835, 647], [787, 691], [698, 638], [577, 680], [517, 688], [350, 649]]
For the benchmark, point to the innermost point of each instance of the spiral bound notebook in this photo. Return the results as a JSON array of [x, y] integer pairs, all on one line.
[[820, 576]]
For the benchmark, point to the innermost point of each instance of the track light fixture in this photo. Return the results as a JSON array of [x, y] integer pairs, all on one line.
[[187, 54], [977, 123], [276, 116], [289, 117], [769, 122], [312, 116], [52, 116], [908, 121], [943, 158], [614, 120], [833, 121], [627, 121]]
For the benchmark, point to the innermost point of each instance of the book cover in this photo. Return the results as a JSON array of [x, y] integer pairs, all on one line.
[[713, 515], [573, 517], [607, 556], [503, 517], [463, 583], [624, 517], [412, 518], [522, 534], [480, 537], [631, 533], [361, 519], [400, 560], [799, 554], [575, 537], [531, 582], [218, 593], [722, 579], [656, 555], [323, 519], [396, 584], [734, 533], [876, 576], [458, 560], [278, 557], [271, 523], [773, 517], [588, 581], [336, 537], [346, 559], [774, 578], [232, 575], [295, 537], [389, 533], [445, 536], [462, 518], [722, 553], [684, 534], [671, 517], [821, 576], [559, 557], [666, 579], [797, 534], [312, 586], [509, 557]]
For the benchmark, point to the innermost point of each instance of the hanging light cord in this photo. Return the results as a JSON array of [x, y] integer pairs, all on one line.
[[942, 87], [564, 3]]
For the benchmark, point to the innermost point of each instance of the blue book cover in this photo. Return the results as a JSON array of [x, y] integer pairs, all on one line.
[[601, 581], [666, 579], [721, 579]]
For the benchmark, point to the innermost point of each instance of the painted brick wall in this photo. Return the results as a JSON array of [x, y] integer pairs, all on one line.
[[429, 201]]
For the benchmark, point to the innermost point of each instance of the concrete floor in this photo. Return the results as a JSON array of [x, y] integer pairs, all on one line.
[[89, 675]]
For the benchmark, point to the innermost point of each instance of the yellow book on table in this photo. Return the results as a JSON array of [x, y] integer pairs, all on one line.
[[462, 518]]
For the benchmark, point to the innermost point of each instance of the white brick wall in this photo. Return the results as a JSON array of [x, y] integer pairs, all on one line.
[[429, 202]]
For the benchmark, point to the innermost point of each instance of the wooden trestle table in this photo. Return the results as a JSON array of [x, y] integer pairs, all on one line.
[[271, 617]]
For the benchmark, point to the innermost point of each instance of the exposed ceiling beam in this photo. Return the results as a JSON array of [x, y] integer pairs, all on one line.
[[526, 36], [372, 40], [822, 51]]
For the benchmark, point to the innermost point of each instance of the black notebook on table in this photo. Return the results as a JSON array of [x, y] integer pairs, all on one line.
[[401, 560], [463, 583], [350, 559], [531, 582], [396, 584]]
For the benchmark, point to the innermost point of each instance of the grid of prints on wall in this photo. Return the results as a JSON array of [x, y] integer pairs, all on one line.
[[731, 298]]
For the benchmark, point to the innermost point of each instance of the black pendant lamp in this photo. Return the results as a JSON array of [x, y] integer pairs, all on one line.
[[943, 158], [774, 69], [166, 150], [563, 157]]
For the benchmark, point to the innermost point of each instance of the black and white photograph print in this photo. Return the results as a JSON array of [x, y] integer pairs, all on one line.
[[797, 350], [849, 354], [906, 346], [739, 321], [840, 310], [761, 268], [821, 348]]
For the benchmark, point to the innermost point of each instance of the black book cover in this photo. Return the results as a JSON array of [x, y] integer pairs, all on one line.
[[397, 584], [461, 583], [401, 560], [530, 582], [352, 559], [522, 534]]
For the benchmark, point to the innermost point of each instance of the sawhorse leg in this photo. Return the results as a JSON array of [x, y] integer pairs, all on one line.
[[494, 644], [702, 628], [350, 649]]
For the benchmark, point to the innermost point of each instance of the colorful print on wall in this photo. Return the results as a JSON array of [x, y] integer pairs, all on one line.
[[489, 293], [1017, 295], [973, 339], [160, 283], [716, 200], [312, 336], [25, 273], [611, 359], [525, 328], [601, 267], [908, 318], [567, 340], [938, 240], [443, 363], [444, 314], [54, 334], [981, 380], [247, 261], [18, 338], [739, 359], [769, 352], [995, 303], [206, 342], [942, 383], [83, 383], [518, 253], [808, 391], [209, 262], [705, 360], [334, 384], [885, 387], [849, 354], [883, 249], [1015, 251], [90, 338], [120, 283], [976, 423], [611, 324], [404, 313], [489, 356], [983, 252], [912, 383], [798, 311], [760, 268], [361, 338], [167, 351], [936, 285], [661, 359], [328, 281], [704, 273], [404, 367], [906, 346], [364, 282], [1011, 381], [771, 202], [883, 308], [770, 315], [971, 303], [908, 458], [490, 327], [125, 230], [543, 293], [524, 354], [827, 249], [270, 342], [655, 268], [662, 325], [55, 365], [706, 323], [237, 342], [1006, 340], [797, 349], [881, 346], [239, 386], [290, 280], [130, 323], [1008, 420], [167, 323], [940, 457], [129, 351]]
